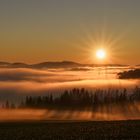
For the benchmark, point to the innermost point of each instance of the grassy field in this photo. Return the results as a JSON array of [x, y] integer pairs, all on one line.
[[50, 130]]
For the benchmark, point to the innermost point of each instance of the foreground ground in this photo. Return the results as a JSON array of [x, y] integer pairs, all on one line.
[[46, 130]]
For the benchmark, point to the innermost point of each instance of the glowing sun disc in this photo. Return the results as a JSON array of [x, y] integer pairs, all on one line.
[[101, 54]]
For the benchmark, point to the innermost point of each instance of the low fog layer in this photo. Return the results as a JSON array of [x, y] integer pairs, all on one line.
[[16, 83], [103, 113]]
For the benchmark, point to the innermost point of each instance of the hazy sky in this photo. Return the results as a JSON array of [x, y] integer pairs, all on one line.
[[50, 30]]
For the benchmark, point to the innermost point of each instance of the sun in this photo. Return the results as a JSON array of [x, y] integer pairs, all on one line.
[[101, 54]]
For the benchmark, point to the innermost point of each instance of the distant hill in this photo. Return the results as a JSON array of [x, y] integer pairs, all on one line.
[[63, 64], [131, 74], [4, 63], [13, 65], [19, 65], [49, 64]]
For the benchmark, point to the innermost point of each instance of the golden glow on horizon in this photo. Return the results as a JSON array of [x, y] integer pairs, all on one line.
[[101, 54], [48, 33]]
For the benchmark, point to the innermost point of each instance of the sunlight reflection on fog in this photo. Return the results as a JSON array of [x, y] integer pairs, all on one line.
[[18, 82], [103, 113], [15, 84]]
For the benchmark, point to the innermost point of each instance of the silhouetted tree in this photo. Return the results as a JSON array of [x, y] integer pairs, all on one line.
[[7, 105], [82, 98]]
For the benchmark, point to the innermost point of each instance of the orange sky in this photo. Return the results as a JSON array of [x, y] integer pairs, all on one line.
[[34, 31]]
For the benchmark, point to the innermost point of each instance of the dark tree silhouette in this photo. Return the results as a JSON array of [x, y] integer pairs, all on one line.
[[82, 98]]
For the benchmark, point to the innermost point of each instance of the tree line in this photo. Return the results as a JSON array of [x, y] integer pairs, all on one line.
[[80, 99]]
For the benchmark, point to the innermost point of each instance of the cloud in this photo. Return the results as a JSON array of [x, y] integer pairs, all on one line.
[[34, 75], [114, 112], [23, 74], [16, 83]]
